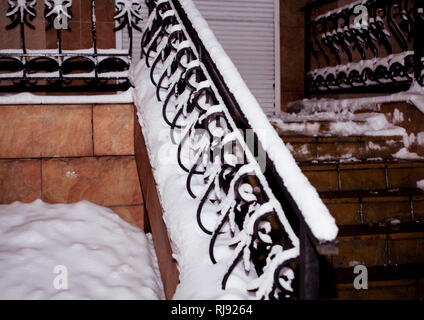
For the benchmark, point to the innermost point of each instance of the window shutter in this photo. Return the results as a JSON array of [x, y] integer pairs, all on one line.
[[249, 32]]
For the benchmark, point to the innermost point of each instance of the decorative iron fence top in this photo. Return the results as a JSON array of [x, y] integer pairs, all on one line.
[[243, 105], [59, 65], [385, 35]]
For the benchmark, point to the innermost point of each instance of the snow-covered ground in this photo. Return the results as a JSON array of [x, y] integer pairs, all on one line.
[[340, 124], [74, 251], [414, 95]]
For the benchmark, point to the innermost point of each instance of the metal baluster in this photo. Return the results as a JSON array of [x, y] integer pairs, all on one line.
[[20, 11], [308, 268], [94, 34]]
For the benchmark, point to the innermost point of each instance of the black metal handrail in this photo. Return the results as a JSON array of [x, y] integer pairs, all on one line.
[[195, 96], [98, 67], [387, 42]]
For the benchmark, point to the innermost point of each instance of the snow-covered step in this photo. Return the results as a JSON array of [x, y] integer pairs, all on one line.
[[313, 127], [335, 124], [348, 148]]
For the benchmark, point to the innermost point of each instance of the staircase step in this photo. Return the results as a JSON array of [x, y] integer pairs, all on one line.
[[393, 282], [363, 175], [310, 127], [355, 230], [380, 249], [383, 273], [347, 148], [375, 206], [371, 193], [394, 258]]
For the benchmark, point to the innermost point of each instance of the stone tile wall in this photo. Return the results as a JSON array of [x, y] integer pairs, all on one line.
[[68, 153]]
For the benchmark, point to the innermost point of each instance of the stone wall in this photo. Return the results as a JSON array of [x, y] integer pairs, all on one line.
[[64, 154]]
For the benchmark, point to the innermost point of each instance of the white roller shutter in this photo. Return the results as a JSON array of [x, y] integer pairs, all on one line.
[[249, 32]]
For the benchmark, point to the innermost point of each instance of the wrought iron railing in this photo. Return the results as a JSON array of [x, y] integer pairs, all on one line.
[[96, 66], [250, 202], [368, 45], [249, 197]]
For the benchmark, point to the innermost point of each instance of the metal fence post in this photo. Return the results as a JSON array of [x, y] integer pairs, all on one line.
[[309, 267]]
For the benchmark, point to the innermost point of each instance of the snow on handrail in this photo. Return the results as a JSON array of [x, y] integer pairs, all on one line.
[[315, 213], [250, 205]]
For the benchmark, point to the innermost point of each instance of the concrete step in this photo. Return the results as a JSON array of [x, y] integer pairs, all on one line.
[[363, 175], [391, 282], [312, 127], [343, 148], [375, 207], [394, 258]]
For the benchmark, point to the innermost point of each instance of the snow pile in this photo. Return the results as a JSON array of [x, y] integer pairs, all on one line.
[[414, 95], [345, 121], [74, 251], [340, 124], [405, 154], [420, 184]]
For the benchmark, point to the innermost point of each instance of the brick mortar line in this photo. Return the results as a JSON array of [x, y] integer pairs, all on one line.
[[71, 157]]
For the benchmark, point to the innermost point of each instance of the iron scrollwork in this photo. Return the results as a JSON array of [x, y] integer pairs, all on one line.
[[94, 66], [236, 204], [346, 55]]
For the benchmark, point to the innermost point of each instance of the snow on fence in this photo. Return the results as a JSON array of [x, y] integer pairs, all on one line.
[[59, 66], [244, 200], [384, 35]]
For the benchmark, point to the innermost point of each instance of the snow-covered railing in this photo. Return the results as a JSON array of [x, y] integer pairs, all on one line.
[[96, 66], [249, 192], [367, 45]]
